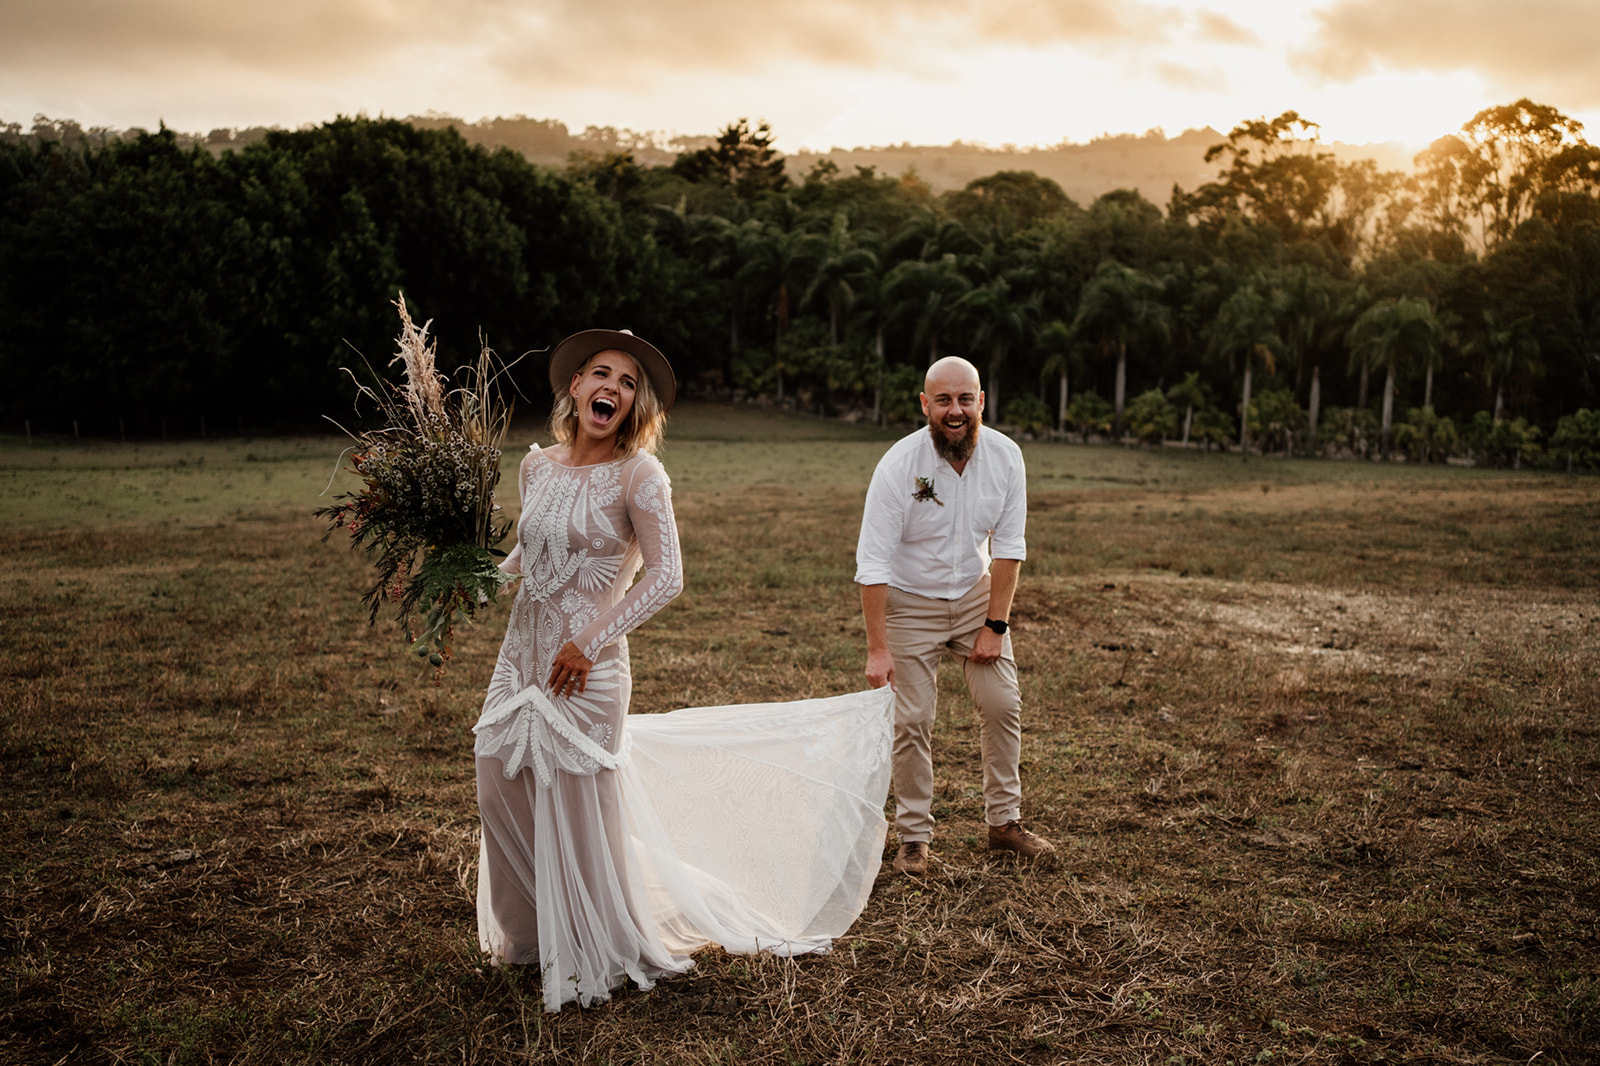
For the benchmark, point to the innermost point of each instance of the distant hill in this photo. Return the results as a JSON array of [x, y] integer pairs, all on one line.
[[545, 142], [1151, 163], [548, 143]]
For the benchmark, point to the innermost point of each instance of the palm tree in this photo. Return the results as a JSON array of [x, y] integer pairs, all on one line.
[[778, 265], [1120, 306], [729, 245], [926, 292], [1246, 324], [840, 260], [1354, 305], [1449, 341], [1050, 264], [1506, 349], [997, 321], [1311, 326], [872, 307], [1392, 334], [1063, 354], [929, 236], [1191, 394]]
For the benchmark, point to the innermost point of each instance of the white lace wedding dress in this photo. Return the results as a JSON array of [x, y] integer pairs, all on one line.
[[611, 853]]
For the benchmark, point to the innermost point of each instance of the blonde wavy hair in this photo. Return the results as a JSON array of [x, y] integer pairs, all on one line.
[[641, 431]]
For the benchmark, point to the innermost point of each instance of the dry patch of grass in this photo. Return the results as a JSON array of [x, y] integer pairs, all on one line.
[[1317, 742]]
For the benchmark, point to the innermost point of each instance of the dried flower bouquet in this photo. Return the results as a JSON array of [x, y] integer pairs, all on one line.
[[425, 512]]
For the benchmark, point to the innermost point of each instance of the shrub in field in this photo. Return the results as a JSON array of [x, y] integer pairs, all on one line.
[[902, 384], [1212, 425], [1576, 441], [1028, 413], [1425, 436], [1088, 413], [1347, 432], [1506, 442], [1151, 417], [826, 374], [1274, 419], [755, 371]]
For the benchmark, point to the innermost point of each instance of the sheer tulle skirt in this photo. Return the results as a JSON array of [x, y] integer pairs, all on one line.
[[754, 827]]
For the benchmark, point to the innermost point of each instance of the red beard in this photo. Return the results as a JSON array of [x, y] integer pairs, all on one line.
[[956, 449]]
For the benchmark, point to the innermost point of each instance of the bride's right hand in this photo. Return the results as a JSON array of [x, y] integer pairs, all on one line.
[[569, 672]]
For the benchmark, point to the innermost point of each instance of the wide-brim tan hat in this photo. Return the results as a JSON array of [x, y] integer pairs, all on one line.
[[570, 354]]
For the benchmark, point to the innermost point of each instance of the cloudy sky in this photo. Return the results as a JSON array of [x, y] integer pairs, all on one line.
[[823, 72]]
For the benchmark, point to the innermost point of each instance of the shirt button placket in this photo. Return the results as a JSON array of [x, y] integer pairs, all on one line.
[[958, 542]]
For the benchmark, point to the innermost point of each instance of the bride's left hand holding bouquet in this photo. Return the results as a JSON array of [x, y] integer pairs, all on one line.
[[425, 512]]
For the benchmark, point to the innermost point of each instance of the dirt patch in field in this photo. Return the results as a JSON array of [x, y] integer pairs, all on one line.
[[1398, 631]]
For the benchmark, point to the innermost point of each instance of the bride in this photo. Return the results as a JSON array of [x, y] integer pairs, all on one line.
[[612, 847]]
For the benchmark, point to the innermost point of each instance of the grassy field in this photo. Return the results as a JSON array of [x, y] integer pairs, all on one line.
[[1317, 741]]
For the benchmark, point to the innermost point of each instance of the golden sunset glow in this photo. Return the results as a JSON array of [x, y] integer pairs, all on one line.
[[823, 72]]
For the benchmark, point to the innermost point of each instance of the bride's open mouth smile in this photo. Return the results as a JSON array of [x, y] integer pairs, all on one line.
[[603, 409]]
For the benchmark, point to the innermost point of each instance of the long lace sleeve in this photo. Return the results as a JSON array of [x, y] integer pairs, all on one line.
[[511, 565], [648, 497]]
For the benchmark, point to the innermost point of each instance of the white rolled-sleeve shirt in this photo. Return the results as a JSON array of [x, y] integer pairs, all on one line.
[[930, 531]]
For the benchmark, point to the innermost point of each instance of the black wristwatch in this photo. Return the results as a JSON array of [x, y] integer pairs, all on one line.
[[996, 625]]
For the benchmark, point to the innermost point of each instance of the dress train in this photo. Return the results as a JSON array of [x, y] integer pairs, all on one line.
[[755, 827]]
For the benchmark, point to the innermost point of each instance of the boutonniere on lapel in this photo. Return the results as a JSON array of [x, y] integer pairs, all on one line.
[[925, 491]]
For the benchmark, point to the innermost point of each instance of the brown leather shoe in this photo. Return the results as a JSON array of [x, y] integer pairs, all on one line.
[[912, 858], [1012, 837]]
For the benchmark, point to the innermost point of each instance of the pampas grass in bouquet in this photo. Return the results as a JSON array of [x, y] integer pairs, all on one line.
[[425, 513]]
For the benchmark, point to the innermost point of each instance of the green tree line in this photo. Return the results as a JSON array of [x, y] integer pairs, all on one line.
[[146, 284], [1295, 303]]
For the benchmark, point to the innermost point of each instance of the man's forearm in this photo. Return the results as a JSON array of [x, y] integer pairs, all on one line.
[[1003, 574], [875, 610], [875, 613]]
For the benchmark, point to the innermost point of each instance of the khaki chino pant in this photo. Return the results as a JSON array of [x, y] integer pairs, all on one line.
[[921, 631]]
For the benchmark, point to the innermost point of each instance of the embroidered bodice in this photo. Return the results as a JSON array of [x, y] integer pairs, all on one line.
[[583, 535]]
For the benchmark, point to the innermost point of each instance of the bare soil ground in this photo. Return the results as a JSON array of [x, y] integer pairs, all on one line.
[[1318, 745]]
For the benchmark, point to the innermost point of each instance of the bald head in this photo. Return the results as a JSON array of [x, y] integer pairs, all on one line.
[[951, 374]]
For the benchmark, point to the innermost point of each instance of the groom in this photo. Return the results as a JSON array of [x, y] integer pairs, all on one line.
[[941, 502]]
